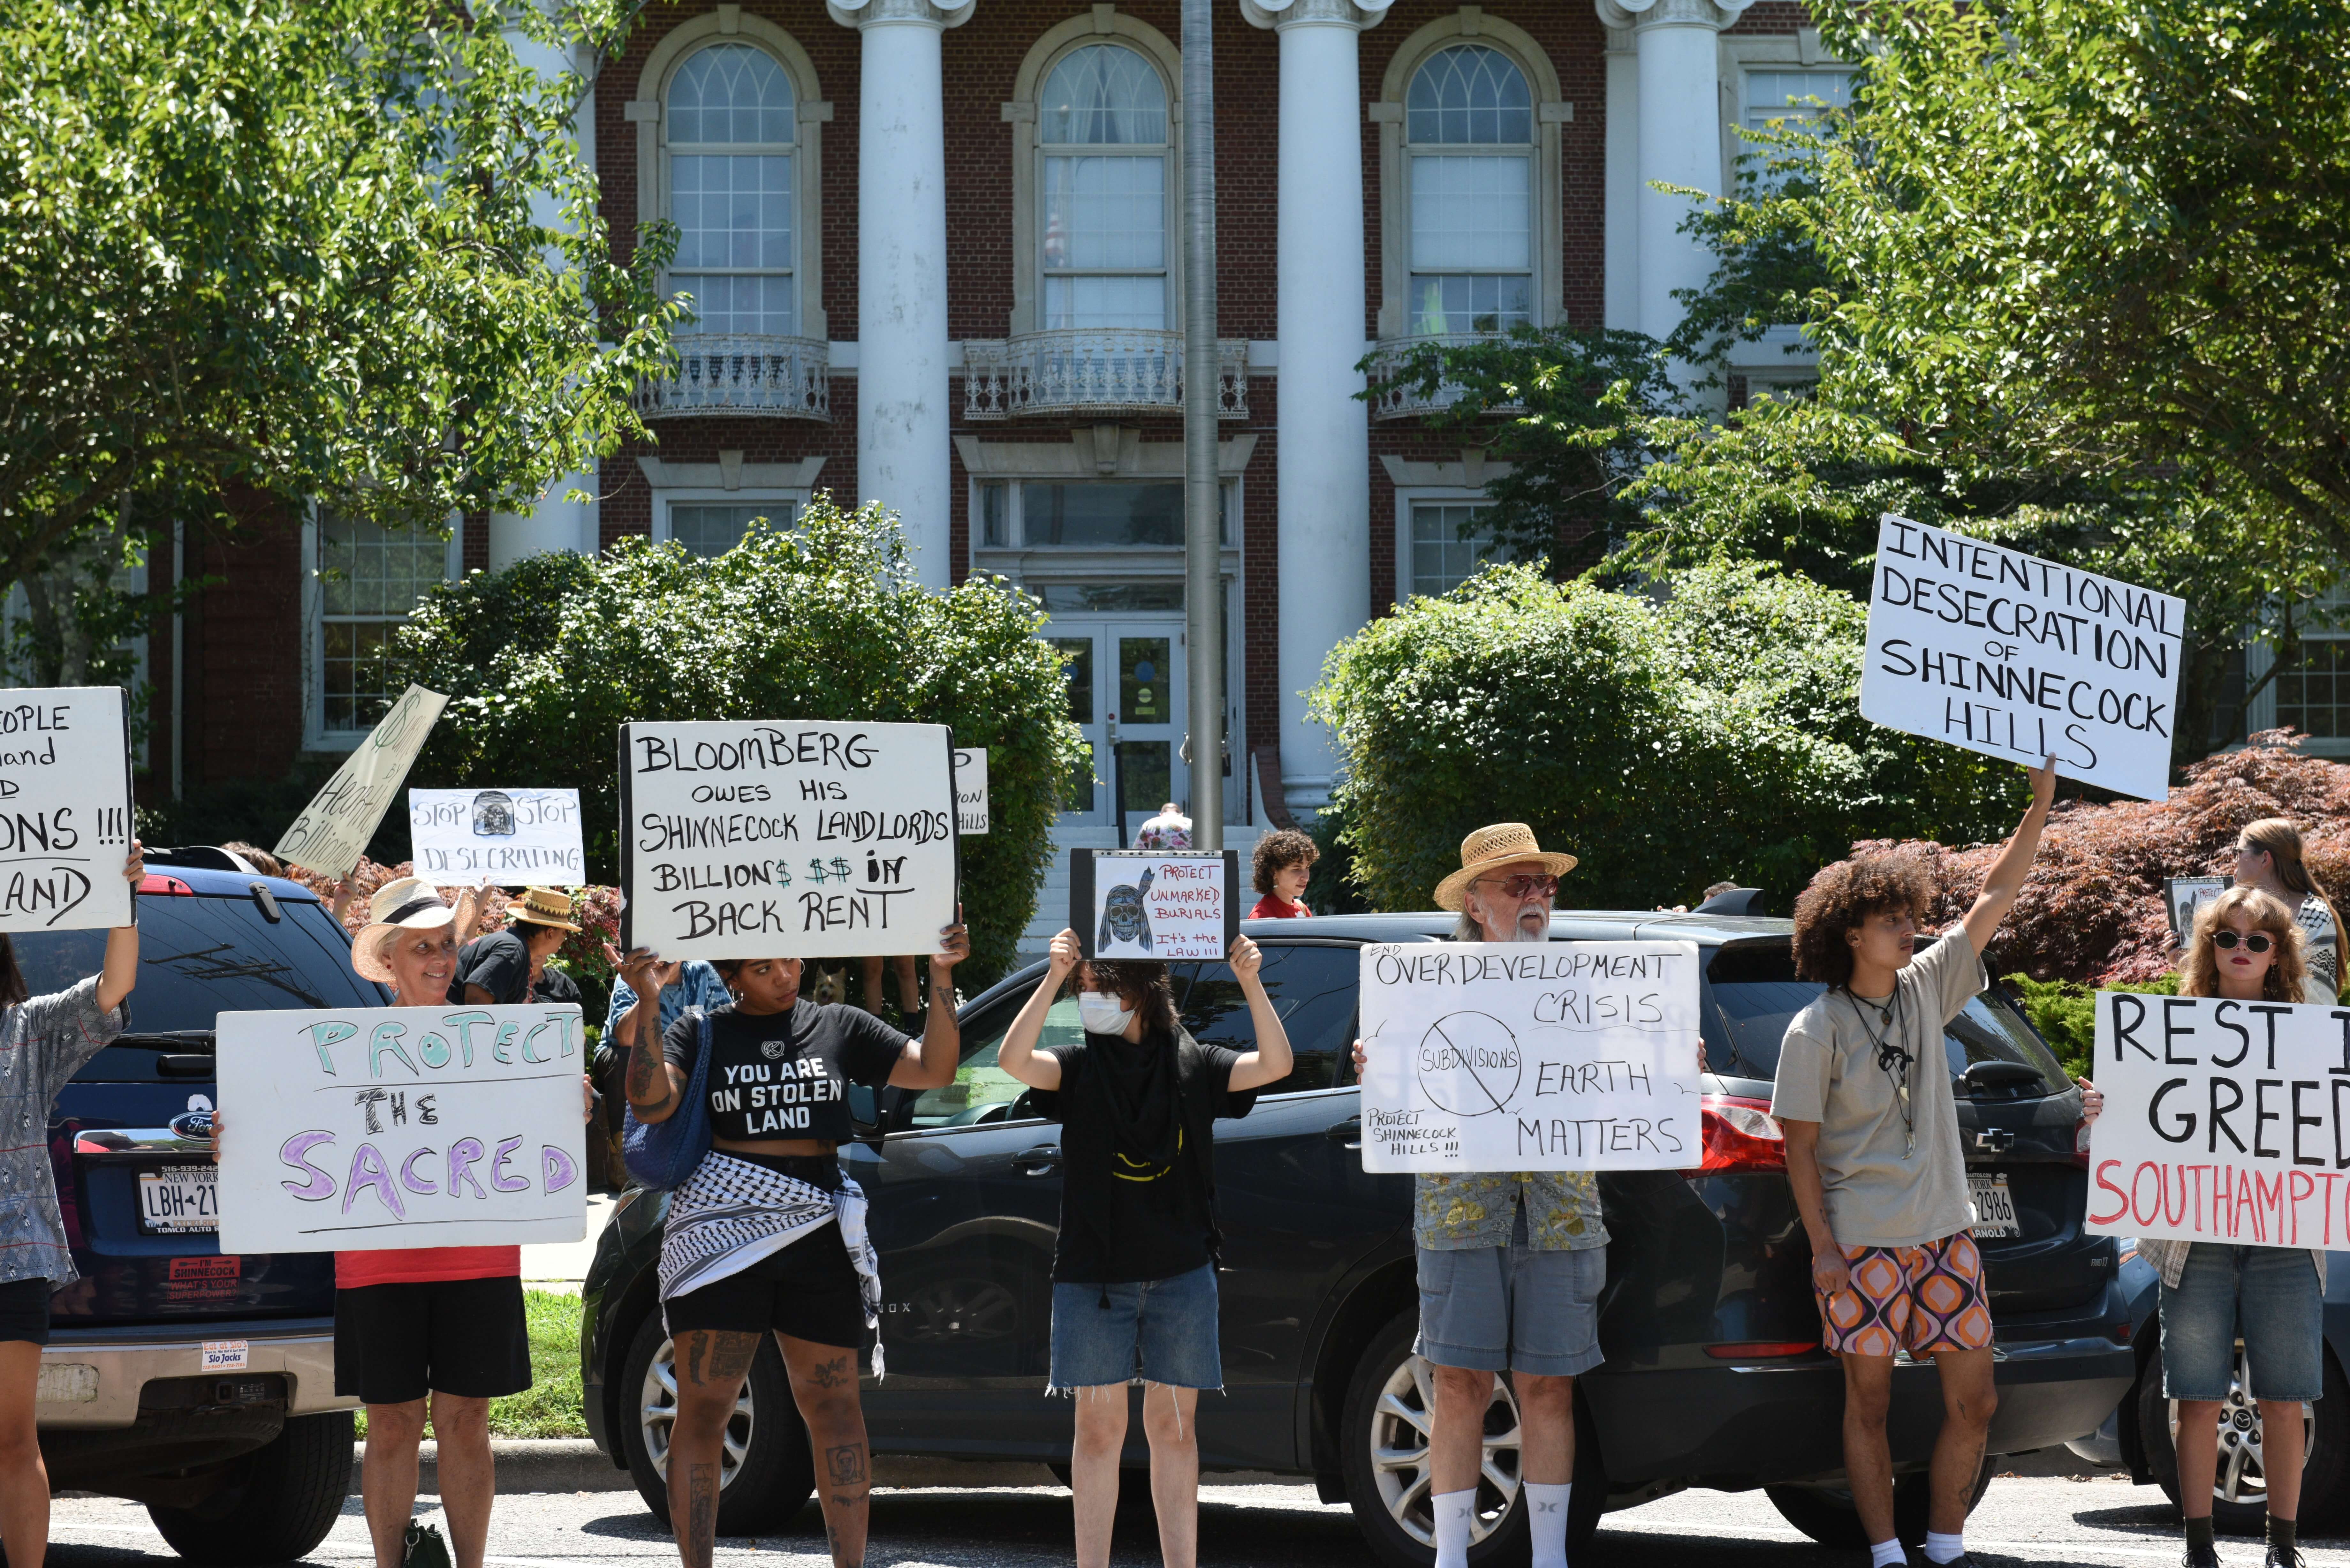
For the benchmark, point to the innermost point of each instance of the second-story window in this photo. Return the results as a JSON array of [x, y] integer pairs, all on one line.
[[1102, 142], [1469, 156], [728, 128]]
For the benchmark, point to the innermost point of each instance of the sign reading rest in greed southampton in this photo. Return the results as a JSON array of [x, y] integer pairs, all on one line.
[[65, 809], [2015, 657], [748, 838]]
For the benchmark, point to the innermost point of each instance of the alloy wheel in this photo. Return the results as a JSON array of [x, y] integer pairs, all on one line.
[[1399, 1460], [2240, 1476]]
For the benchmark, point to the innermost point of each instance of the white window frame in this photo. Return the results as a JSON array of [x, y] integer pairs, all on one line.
[[1407, 496], [2260, 657], [1551, 110], [316, 736], [699, 496], [649, 110]]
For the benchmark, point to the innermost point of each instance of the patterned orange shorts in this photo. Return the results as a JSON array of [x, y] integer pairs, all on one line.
[[1922, 1299]]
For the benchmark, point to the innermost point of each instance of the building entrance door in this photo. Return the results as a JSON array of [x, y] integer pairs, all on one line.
[[1126, 691]]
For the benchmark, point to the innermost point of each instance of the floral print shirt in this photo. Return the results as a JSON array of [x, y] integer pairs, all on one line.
[[1454, 1213]]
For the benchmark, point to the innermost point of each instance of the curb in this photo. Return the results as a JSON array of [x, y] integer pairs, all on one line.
[[575, 1465]]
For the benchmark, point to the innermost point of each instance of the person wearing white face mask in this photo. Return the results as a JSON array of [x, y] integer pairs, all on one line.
[[1134, 1274]]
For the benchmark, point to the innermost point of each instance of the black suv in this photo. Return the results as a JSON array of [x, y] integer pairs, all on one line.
[[1714, 1376], [200, 1386]]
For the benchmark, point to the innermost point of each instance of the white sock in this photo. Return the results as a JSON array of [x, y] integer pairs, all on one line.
[[1945, 1548], [1453, 1512], [1887, 1555], [1546, 1515]]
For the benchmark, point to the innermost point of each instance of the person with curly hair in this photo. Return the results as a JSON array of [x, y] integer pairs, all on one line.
[[1284, 865], [1872, 1132]]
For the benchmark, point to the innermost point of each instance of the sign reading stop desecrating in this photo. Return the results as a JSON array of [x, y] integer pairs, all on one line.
[[2224, 1121], [2015, 657]]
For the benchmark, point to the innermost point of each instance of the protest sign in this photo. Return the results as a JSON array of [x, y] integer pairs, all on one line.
[[805, 840], [361, 1129], [971, 791], [1154, 903], [1519, 1057], [2015, 657], [333, 830], [65, 809], [469, 837], [2224, 1121], [2182, 896]]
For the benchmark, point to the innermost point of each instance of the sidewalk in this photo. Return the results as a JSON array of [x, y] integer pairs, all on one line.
[[560, 1266]]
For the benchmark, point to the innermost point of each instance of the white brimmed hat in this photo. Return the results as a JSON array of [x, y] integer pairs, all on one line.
[[1498, 845], [409, 903]]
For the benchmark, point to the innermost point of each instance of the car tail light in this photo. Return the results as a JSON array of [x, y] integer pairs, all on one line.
[[169, 887], [1740, 1135], [1762, 1349]]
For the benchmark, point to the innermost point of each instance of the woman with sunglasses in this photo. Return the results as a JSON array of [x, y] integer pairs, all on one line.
[[2247, 946], [2269, 857]]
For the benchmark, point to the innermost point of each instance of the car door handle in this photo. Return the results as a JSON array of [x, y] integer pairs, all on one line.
[[1041, 1160], [1349, 1132]]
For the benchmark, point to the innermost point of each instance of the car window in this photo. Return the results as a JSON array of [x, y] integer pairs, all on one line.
[[982, 1091], [1313, 993]]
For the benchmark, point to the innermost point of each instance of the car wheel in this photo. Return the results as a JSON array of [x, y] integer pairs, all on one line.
[[766, 1470], [279, 1503], [1827, 1516], [2239, 1485], [1383, 1434]]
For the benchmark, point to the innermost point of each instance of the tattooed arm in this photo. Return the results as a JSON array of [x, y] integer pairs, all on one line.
[[655, 1086]]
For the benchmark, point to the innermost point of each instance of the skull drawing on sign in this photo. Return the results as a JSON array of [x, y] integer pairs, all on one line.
[[1123, 919], [493, 815]]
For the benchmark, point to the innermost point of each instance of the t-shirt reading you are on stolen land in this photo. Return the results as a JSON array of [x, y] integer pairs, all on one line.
[[786, 1074], [1841, 1065]]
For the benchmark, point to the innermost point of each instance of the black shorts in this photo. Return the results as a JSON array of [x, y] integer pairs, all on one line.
[[808, 1291], [25, 1311], [466, 1337]]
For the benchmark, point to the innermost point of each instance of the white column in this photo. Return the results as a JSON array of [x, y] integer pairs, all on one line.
[[1325, 482], [901, 269], [1620, 282]]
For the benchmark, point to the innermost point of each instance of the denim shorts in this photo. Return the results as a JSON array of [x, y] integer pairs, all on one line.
[[2267, 1296], [1490, 1309], [1160, 1331]]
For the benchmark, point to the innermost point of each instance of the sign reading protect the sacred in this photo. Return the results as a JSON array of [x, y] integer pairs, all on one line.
[[1526, 1056], [2182, 896], [2224, 1121], [367, 1128], [971, 791], [65, 809], [333, 830], [471, 837], [2015, 657], [1159, 904], [815, 839]]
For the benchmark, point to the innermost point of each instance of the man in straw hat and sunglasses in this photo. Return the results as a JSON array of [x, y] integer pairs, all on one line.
[[1510, 1263], [510, 966]]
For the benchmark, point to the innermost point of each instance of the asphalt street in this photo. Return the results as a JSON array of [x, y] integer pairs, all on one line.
[[2036, 1521]]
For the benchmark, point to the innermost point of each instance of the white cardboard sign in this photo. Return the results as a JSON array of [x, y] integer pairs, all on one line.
[[971, 791], [333, 830], [2224, 1121], [472, 838], [749, 838], [2011, 656], [364, 1129], [1524, 1056], [1159, 904], [65, 809]]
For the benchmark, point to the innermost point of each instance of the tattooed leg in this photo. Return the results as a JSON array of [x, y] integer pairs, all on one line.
[[711, 1366], [824, 1383]]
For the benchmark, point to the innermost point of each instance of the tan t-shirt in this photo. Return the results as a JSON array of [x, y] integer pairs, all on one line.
[[1881, 1192]]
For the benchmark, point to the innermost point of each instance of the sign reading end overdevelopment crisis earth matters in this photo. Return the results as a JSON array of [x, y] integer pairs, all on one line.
[[2015, 657]]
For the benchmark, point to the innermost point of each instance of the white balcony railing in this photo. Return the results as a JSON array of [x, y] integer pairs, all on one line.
[[743, 373], [1083, 371], [1396, 387]]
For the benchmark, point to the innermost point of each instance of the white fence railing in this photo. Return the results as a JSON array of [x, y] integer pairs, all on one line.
[[743, 373], [1088, 371], [1396, 387]]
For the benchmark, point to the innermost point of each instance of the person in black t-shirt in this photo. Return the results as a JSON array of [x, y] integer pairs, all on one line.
[[1134, 1274], [508, 966]]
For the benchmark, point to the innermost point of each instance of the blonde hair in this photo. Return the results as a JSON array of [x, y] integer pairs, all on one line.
[[2280, 840], [2199, 975]]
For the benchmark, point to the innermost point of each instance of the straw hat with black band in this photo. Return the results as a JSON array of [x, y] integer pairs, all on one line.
[[543, 906], [1503, 844], [406, 904]]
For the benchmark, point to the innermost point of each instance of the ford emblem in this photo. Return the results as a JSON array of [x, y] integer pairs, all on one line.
[[194, 1124]]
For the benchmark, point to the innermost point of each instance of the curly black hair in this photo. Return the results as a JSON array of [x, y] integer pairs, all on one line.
[[1843, 896], [1142, 984], [1279, 850]]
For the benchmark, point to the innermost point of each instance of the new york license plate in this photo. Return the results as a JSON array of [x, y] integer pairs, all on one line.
[[1994, 1205], [179, 1198]]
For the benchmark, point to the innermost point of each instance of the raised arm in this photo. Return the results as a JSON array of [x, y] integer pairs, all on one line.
[[1270, 1061], [1017, 1055], [930, 1061], [2014, 862], [120, 973], [655, 1086]]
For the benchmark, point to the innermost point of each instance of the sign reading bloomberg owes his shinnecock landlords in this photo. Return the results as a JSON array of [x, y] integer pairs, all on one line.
[[2015, 657]]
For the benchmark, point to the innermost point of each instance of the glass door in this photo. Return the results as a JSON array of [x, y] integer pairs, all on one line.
[[1127, 693]]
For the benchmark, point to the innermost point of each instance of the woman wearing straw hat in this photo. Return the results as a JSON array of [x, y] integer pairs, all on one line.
[[510, 966], [1510, 1263]]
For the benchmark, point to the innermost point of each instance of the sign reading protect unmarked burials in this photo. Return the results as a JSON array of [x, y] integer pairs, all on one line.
[[1159, 904], [468, 837], [361, 1129], [2224, 1121], [333, 830], [1524, 1056], [749, 838], [2015, 657], [65, 809]]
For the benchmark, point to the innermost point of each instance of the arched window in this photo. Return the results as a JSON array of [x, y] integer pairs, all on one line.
[[1102, 146], [1468, 168], [728, 130]]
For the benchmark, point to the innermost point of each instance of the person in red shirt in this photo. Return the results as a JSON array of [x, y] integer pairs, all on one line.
[[1283, 864]]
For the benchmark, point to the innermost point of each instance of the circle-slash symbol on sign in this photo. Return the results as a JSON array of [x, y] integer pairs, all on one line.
[[1468, 1063]]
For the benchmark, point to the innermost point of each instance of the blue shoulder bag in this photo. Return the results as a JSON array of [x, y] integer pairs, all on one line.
[[661, 1154]]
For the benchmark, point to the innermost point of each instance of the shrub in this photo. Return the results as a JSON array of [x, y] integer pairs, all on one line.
[[2065, 1014], [546, 660], [1706, 731]]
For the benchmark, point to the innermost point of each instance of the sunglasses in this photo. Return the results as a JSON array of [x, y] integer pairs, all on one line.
[[1522, 886], [2258, 943]]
